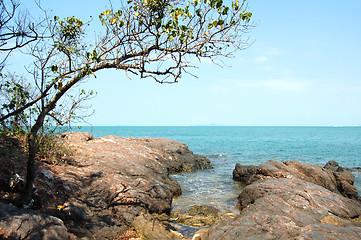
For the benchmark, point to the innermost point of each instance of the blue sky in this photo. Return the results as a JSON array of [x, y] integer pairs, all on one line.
[[303, 69]]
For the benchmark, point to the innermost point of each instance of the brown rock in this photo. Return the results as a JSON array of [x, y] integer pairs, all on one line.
[[181, 159], [243, 173], [290, 209], [150, 228], [110, 182], [197, 216], [26, 224], [120, 177], [332, 177]]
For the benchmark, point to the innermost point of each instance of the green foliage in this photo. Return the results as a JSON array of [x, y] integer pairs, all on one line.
[[93, 56], [246, 16], [70, 29], [14, 94], [69, 32], [174, 19]]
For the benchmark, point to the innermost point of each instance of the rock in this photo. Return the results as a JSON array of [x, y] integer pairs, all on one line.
[[199, 235], [73, 211], [181, 158], [197, 216], [112, 182], [77, 136], [332, 177], [327, 231], [17, 183], [288, 209], [290, 201], [301, 195], [26, 224], [150, 228], [242, 173], [333, 165]]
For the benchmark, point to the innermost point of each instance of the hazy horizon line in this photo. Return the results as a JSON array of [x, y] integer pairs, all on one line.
[[214, 125]]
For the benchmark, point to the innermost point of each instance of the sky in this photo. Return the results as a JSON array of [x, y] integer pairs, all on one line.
[[303, 69]]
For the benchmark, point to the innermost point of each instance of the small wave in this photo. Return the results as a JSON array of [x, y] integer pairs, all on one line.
[[218, 156]]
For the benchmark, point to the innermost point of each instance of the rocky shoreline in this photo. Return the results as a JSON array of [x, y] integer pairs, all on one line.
[[119, 188], [108, 190], [293, 200]]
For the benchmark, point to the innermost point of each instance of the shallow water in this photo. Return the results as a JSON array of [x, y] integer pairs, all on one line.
[[206, 187], [357, 184]]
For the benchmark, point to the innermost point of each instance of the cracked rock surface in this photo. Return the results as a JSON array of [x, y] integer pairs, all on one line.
[[293, 200], [108, 185]]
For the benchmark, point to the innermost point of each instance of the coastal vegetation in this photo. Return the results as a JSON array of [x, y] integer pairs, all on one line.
[[157, 39]]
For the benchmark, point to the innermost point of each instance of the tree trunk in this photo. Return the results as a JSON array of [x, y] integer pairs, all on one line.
[[27, 194], [30, 170]]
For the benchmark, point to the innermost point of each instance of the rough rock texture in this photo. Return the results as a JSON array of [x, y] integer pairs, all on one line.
[[26, 224], [331, 176], [150, 228], [182, 159], [198, 216], [111, 181], [292, 200]]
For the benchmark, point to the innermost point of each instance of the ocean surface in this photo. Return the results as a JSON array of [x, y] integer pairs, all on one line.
[[226, 146]]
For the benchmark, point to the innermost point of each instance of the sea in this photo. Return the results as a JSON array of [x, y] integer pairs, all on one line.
[[226, 146]]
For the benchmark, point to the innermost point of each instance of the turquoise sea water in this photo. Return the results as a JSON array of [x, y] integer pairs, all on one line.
[[226, 146]]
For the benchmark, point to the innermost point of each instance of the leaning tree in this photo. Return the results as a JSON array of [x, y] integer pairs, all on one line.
[[158, 39]]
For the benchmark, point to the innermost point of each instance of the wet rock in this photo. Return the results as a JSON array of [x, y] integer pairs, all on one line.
[[26, 224], [201, 234], [333, 165], [150, 228], [197, 216], [243, 173]]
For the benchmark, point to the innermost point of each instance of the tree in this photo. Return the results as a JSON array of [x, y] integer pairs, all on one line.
[[158, 39], [16, 30]]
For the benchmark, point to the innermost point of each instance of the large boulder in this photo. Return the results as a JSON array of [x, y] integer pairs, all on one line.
[[181, 158], [290, 209], [293, 200], [331, 176]]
